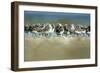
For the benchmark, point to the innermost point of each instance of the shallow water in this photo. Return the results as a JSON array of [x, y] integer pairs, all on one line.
[[56, 48]]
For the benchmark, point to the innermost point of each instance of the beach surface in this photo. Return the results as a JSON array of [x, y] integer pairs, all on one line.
[[56, 48]]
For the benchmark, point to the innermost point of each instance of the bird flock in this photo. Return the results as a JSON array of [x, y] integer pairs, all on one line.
[[56, 30]]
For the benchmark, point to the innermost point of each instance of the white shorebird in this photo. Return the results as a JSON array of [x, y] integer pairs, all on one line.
[[72, 27], [47, 30]]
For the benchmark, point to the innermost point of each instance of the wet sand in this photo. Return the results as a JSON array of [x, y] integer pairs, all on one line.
[[56, 48]]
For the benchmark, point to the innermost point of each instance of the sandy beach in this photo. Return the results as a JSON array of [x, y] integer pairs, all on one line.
[[56, 48]]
